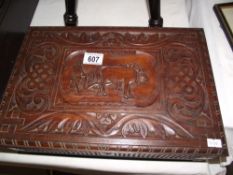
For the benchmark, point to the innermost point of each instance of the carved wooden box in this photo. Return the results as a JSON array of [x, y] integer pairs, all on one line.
[[153, 97]]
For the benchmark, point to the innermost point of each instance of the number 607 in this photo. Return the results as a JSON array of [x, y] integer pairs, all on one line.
[[93, 59]]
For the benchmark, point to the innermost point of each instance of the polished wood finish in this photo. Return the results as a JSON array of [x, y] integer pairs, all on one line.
[[154, 96]]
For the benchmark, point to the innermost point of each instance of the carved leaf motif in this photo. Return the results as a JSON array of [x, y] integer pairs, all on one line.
[[129, 125], [142, 126], [110, 39], [62, 123], [169, 131], [137, 126], [143, 39], [82, 38]]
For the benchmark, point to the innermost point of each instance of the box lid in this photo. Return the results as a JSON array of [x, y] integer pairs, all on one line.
[[152, 97]]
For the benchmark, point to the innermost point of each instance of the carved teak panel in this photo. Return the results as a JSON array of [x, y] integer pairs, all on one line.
[[153, 97]]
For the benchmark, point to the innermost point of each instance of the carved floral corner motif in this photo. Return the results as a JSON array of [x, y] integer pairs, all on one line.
[[36, 76], [185, 87]]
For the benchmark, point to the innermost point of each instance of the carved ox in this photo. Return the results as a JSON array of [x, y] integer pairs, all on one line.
[[127, 79], [129, 75]]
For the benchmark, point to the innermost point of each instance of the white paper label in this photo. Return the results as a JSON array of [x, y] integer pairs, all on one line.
[[214, 143], [93, 58]]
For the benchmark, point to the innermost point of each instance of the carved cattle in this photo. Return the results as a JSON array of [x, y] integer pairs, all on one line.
[[121, 79], [126, 75]]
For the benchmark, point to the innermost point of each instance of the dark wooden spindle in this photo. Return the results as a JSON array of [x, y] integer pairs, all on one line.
[[155, 18], [70, 16]]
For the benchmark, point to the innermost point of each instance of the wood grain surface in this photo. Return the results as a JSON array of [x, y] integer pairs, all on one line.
[[153, 97]]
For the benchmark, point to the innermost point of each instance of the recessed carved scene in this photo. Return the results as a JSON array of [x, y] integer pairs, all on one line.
[[127, 80]]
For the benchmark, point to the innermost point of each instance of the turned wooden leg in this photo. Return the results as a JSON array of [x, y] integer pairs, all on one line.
[[155, 19], [70, 16]]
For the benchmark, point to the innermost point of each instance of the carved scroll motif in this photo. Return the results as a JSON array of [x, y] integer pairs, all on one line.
[[186, 97], [32, 92], [108, 39]]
